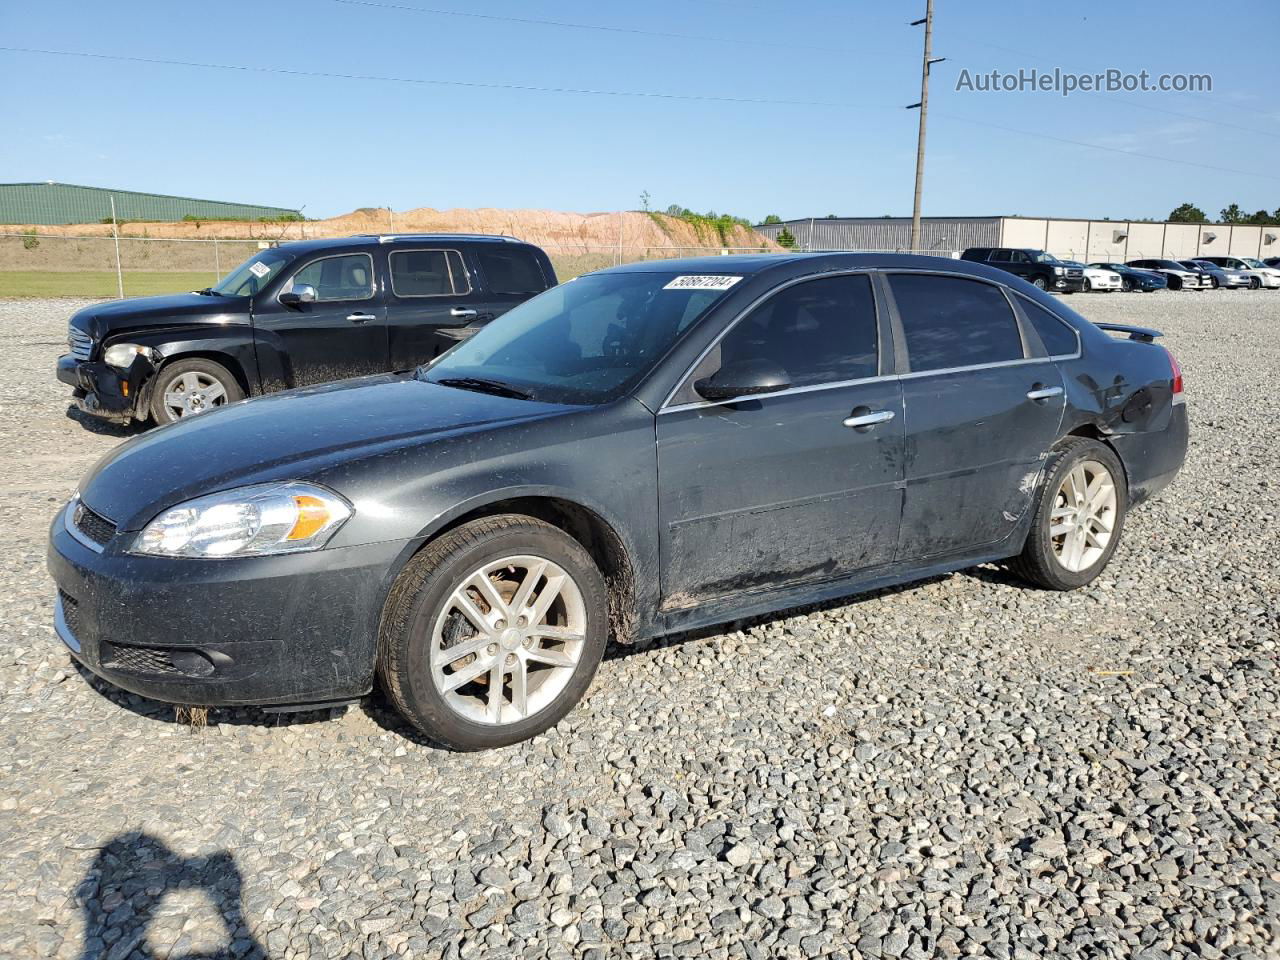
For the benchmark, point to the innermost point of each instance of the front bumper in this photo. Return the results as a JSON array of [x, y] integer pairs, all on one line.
[[106, 392], [1067, 284], [292, 629]]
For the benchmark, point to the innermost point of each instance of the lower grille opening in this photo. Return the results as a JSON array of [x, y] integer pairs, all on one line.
[[70, 612], [144, 660]]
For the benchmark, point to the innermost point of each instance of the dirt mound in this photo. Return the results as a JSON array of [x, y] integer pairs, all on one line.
[[565, 232]]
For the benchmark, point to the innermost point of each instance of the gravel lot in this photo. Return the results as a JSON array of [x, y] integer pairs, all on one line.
[[963, 767]]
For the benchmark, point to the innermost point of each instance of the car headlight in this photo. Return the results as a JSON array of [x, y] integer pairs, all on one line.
[[258, 520], [121, 354]]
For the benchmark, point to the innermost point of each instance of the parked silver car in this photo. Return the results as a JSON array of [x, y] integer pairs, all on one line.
[[1220, 277]]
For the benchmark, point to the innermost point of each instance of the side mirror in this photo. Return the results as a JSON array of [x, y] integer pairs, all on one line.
[[301, 293], [745, 378]]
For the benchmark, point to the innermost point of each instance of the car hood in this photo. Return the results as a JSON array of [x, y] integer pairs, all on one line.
[[116, 316], [293, 435]]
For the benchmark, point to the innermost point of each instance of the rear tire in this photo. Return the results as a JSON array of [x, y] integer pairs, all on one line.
[[1077, 525], [493, 632]]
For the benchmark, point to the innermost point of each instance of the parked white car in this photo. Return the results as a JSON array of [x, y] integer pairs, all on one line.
[[1268, 277], [1099, 280]]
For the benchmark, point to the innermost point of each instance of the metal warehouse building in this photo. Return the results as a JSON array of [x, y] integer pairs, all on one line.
[[1085, 240], [58, 203]]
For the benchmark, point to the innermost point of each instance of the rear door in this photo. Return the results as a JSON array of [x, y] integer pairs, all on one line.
[[983, 403], [797, 486], [343, 333], [430, 301]]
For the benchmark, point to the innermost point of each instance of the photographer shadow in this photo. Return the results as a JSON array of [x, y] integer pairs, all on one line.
[[122, 897]]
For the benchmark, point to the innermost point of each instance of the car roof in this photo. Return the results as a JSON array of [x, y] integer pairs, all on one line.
[[752, 263], [361, 239]]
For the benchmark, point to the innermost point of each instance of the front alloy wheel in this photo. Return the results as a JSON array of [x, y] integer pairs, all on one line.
[[187, 388], [508, 640], [493, 632], [1040, 283]]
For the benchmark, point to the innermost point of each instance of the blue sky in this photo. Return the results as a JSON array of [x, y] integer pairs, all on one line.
[[334, 144]]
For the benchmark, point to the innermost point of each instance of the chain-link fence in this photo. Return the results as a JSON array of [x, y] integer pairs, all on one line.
[[101, 266]]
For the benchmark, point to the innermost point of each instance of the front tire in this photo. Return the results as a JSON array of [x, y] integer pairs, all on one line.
[[1079, 516], [1254, 283], [493, 632], [1040, 284], [1088, 285], [1126, 285], [186, 388]]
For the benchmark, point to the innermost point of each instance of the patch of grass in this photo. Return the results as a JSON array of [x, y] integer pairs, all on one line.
[[99, 283]]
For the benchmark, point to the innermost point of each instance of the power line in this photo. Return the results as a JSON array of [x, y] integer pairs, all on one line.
[[630, 31], [582, 91], [475, 84]]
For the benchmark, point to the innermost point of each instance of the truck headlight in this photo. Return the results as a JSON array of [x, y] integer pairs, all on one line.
[[120, 355], [262, 519], [1059, 271]]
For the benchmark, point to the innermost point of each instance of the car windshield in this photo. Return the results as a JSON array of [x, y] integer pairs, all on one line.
[[1039, 256], [586, 341], [1170, 265], [252, 275]]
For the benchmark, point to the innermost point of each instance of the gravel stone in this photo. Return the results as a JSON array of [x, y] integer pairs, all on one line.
[[960, 767]]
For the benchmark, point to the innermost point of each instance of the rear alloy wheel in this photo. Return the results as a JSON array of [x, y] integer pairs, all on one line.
[[493, 632], [1079, 516], [190, 387]]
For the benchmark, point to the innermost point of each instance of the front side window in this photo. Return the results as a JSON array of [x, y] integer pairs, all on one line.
[[428, 273], [819, 331], [586, 341], [347, 277], [954, 322], [511, 271]]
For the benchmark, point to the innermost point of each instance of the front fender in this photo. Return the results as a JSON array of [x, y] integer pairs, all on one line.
[[231, 346]]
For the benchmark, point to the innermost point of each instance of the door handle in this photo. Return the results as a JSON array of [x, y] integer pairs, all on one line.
[[865, 421], [462, 312], [1043, 393], [361, 317]]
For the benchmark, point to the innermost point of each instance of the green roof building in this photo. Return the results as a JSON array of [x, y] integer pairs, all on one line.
[[61, 203]]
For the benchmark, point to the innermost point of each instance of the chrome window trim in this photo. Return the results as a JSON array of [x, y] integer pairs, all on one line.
[[869, 272], [444, 251], [811, 388], [373, 282], [68, 523]]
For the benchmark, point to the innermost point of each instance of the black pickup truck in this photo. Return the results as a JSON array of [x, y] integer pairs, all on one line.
[[295, 315], [1041, 269]]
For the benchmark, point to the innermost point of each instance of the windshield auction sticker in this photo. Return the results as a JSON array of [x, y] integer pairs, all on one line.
[[709, 282], [258, 269]]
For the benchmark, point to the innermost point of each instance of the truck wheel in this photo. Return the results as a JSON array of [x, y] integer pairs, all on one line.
[[1040, 284], [185, 388], [493, 632], [1079, 516]]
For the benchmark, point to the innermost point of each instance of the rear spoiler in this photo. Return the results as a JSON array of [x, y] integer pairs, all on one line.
[[1145, 334]]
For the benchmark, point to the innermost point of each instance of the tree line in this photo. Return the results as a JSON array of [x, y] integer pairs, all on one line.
[[1190, 213]]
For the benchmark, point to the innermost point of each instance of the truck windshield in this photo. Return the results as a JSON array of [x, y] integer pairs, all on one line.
[[586, 341], [252, 275], [1042, 257]]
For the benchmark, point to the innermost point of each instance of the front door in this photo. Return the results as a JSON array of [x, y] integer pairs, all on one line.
[[341, 334], [801, 485], [981, 413]]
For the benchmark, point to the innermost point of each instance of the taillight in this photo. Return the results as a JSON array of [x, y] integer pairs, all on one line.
[[1176, 369]]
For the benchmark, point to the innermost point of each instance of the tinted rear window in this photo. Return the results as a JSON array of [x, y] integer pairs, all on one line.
[[954, 322], [511, 271]]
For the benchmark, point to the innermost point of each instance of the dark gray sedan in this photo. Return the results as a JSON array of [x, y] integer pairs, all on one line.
[[639, 451]]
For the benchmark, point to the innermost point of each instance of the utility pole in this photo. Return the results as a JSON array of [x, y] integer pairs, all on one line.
[[115, 233], [923, 107]]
